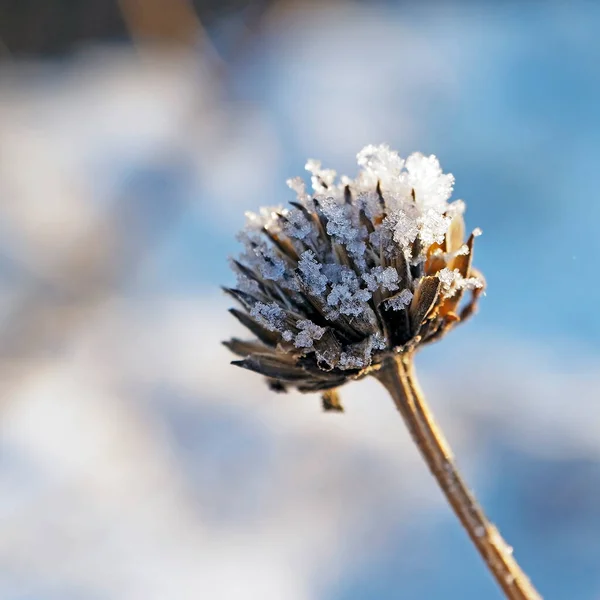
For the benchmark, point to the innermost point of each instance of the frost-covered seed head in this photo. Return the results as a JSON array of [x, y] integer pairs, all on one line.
[[358, 269]]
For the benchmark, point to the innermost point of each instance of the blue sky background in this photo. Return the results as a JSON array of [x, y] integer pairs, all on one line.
[[507, 96]]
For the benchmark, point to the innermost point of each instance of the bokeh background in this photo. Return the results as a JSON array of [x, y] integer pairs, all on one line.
[[135, 463]]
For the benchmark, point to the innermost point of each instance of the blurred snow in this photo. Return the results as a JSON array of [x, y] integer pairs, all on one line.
[[367, 72], [141, 465], [137, 463]]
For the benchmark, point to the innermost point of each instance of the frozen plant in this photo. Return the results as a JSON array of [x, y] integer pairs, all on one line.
[[351, 280], [381, 256]]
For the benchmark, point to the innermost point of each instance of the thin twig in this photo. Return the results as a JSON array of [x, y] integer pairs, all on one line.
[[398, 377]]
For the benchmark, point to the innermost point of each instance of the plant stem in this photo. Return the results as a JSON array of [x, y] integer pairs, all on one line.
[[398, 377]]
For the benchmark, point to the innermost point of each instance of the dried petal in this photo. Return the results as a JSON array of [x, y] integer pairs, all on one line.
[[424, 301]]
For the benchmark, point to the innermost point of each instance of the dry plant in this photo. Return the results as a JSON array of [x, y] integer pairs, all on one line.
[[351, 281]]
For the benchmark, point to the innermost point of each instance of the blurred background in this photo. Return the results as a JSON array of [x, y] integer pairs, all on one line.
[[135, 463]]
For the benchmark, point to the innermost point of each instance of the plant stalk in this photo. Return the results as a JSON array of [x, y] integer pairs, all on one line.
[[398, 376]]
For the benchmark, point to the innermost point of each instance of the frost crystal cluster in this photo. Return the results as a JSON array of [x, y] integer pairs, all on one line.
[[354, 269]]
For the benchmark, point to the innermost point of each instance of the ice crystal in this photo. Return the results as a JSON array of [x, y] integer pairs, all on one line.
[[358, 355], [266, 217], [270, 316], [341, 227], [244, 283], [271, 266], [297, 184], [378, 341], [322, 179], [380, 161], [453, 281], [353, 270], [400, 301], [456, 209], [311, 271], [347, 295], [471, 283], [349, 360], [431, 187], [370, 203], [447, 277], [297, 225], [309, 332], [259, 254], [386, 278], [356, 358], [433, 227]]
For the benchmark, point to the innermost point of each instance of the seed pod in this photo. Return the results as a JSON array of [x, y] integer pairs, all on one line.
[[352, 272]]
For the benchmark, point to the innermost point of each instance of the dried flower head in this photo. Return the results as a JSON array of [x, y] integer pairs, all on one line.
[[353, 271]]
